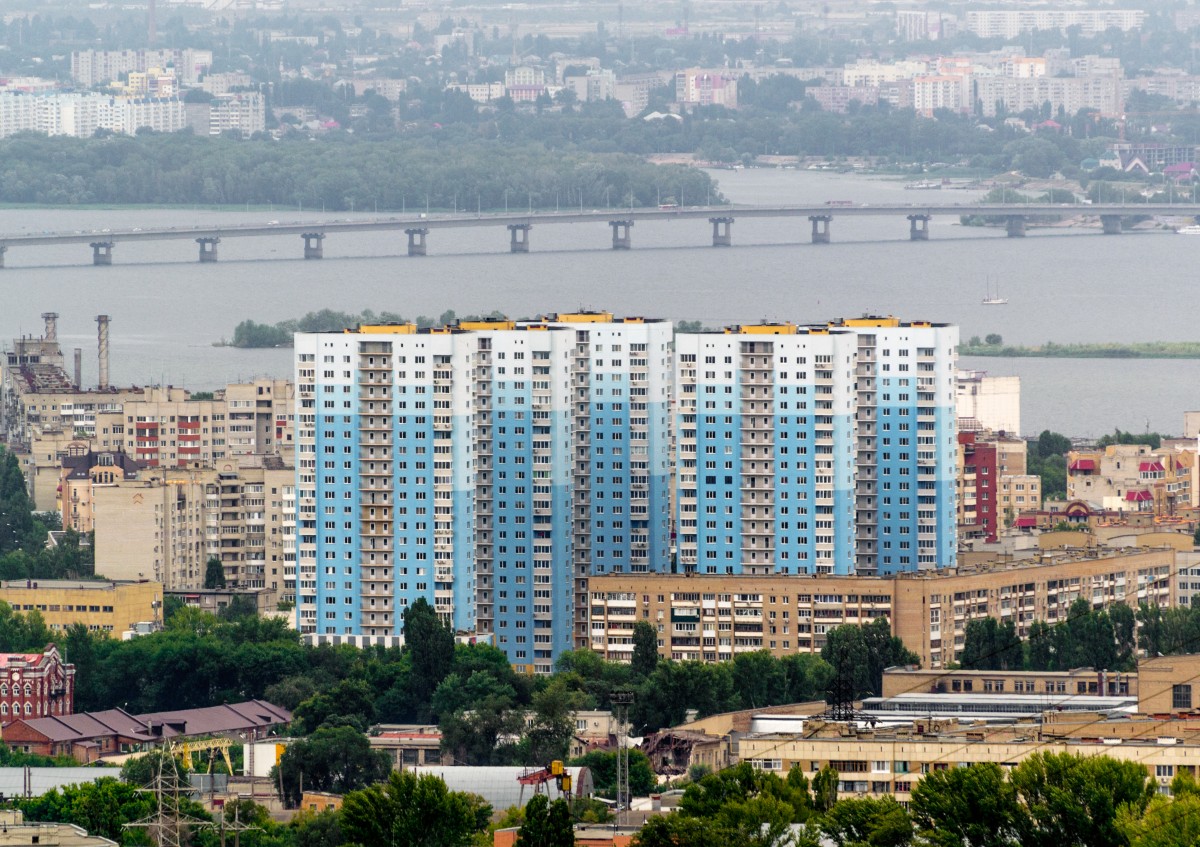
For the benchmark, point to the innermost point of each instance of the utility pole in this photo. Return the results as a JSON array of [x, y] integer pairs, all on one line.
[[621, 701]]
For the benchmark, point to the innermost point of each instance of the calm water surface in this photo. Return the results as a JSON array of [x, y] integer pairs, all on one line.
[[1065, 285]]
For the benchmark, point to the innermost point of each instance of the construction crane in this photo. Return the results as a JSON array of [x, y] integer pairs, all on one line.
[[541, 779], [185, 749]]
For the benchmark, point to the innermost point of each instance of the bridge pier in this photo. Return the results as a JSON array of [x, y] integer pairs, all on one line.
[[820, 228], [622, 237], [208, 248], [722, 234], [1015, 226], [101, 252], [918, 233], [519, 243], [3, 250], [416, 240], [1111, 224], [312, 245]]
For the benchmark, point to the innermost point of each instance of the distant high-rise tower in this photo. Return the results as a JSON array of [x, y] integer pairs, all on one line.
[[151, 25]]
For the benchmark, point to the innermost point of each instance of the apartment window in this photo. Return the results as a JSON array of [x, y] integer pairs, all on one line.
[[1181, 697]]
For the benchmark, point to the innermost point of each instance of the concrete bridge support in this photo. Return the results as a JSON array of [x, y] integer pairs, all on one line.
[[519, 237], [1015, 226], [3, 250], [820, 228], [313, 248], [1111, 224], [722, 231], [208, 248], [416, 240], [622, 237], [915, 232], [101, 252]]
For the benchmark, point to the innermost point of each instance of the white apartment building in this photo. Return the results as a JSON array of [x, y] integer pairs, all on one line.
[[989, 402], [98, 67], [931, 93], [244, 112], [80, 115], [1013, 22], [1102, 93], [876, 73]]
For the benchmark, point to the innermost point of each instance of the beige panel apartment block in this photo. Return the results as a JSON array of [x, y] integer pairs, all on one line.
[[152, 528], [712, 618], [169, 522], [932, 612], [108, 607]]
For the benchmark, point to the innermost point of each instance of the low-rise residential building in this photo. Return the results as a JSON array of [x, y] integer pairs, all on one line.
[[1132, 477], [713, 618], [106, 607], [892, 760], [408, 746]]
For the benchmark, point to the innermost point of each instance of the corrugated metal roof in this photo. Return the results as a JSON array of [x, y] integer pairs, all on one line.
[[499, 786]]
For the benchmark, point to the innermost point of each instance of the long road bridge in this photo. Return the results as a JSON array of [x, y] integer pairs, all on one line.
[[621, 221]]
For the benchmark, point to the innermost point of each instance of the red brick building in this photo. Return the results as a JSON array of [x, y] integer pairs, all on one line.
[[978, 488], [35, 685]]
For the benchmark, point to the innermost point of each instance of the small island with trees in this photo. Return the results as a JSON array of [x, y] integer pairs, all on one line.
[[993, 345]]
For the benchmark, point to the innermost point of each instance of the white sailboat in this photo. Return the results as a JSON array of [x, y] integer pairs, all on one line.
[[991, 298]]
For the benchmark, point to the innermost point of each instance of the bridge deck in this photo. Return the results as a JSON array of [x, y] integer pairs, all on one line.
[[542, 218]]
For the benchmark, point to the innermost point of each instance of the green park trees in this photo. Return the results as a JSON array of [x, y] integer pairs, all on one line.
[[1048, 800], [547, 824], [406, 809], [738, 807], [334, 758], [859, 654], [645, 648]]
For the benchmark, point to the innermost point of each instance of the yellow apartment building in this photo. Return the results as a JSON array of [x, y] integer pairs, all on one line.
[[101, 606]]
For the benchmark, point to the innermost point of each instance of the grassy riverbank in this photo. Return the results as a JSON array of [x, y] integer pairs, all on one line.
[[1050, 350]]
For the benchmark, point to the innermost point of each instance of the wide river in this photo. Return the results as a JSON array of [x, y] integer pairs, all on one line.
[[1064, 285]]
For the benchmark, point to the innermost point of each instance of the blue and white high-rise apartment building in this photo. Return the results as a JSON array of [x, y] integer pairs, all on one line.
[[825, 449], [488, 467]]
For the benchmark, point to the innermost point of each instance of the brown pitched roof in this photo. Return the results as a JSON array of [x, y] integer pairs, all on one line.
[[236, 717]]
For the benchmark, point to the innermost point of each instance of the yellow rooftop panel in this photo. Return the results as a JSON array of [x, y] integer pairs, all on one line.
[[385, 329], [584, 318], [483, 325], [763, 329]]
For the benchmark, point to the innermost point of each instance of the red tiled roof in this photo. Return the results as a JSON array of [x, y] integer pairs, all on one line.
[[1083, 465], [1146, 467], [1138, 496], [1026, 522]]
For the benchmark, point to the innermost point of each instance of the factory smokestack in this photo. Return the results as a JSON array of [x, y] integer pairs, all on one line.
[[102, 339], [78, 368], [51, 319]]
